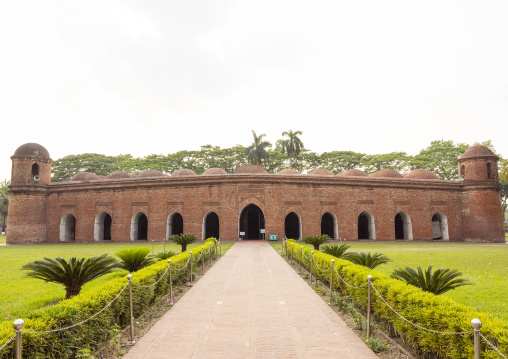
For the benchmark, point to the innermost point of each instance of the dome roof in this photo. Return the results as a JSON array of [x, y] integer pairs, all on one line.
[[255, 169], [321, 172], [31, 149], [288, 171], [386, 173], [355, 172], [183, 173], [478, 151], [118, 175], [214, 171], [85, 176], [422, 174], [152, 173]]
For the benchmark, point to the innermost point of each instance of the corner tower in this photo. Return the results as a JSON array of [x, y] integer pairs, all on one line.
[[481, 201], [31, 173]]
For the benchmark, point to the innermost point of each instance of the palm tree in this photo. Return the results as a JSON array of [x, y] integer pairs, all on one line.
[[316, 241], [366, 259], [292, 145], [134, 259], [183, 240], [439, 282], [336, 250], [73, 274], [256, 153]]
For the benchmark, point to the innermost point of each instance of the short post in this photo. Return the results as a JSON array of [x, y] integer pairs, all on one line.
[[129, 277], [191, 264], [369, 278], [203, 260], [18, 325], [170, 284], [292, 247], [210, 251], [153, 245], [311, 260], [476, 324], [331, 280], [300, 264]]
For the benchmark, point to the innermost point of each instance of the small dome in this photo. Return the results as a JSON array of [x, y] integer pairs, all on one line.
[[386, 173], [255, 169], [151, 173], [31, 149], [422, 174], [355, 172], [321, 172], [478, 151], [214, 171], [85, 176], [288, 171], [118, 175], [183, 173]]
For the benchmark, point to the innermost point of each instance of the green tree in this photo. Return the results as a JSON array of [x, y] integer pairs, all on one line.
[[73, 274], [398, 161], [336, 250], [316, 241], [4, 202], [441, 158], [504, 195], [292, 145], [437, 282], [503, 170], [256, 152], [183, 240], [339, 161], [134, 259]]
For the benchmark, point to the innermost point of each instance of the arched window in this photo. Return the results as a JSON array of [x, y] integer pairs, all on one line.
[[139, 227], [329, 225], [403, 226], [366, 226], [440, 227], [463, 171], [252, 221], [211, 227], [68, 228], [35, 169], [174, 225], [102, 229], [489, 170], [293, 226]]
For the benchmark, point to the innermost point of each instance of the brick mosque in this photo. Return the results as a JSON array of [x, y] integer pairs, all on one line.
[[253, 204]]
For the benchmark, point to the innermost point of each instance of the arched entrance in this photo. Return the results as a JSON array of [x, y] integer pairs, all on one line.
[[211, 225], [252, 221], [102, 229], [68, 228], [329, 225], [440, 227], [174, 225], [366, 226], [293, 226], [139, 227], [403, 226]]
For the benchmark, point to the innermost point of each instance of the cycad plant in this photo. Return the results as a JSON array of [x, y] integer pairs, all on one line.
[[183, 240], [336, 250], [366, 259], [133, 259], [437, 282], [164, 255], [316, 241], [73, 274]]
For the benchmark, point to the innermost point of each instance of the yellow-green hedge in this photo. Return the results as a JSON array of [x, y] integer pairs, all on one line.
[[65, 344], [425, 309]]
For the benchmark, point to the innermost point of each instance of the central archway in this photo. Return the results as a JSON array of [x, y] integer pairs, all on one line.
[[252, 221], [293, 226], [211, 225]]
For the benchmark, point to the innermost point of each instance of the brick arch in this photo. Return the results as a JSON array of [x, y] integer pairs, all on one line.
[[68, 228], [250, 232], [403, 225], [135, 226], [102, 227], [206, 223], [366, 227], [289, 225], [440, 227], [170, 228], [335, 226]]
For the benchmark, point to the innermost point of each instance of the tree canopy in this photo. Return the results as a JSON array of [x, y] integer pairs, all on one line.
[[292, 145], [257, 151]]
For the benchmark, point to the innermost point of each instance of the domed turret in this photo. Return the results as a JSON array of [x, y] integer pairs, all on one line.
[[183, 173], [85, 176], [31, 164], [422, 174], [214, 171], [288, 171], [251, 169], [321, 172], [478, 163], [355, 172]]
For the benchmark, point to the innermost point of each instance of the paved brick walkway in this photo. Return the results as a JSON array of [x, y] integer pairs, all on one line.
[[250, 304]]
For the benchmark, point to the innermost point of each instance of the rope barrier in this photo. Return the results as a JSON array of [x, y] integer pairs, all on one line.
[[184, 266], [82, 322], [7, 342], [492, 345], [317, 266], [416, 325], [151, 285], [346, 283]]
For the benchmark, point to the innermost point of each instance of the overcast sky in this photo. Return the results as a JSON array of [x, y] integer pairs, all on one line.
[[116, 77]]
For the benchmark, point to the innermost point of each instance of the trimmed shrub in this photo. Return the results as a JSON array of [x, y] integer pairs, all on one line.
[[422, 308]]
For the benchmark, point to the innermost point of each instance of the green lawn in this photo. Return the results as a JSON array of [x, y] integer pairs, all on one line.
[[20, 294], [2, 239], [486, 265]]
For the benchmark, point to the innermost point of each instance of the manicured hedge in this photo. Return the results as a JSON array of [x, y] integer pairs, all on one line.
[[425, 309], [65, 344]]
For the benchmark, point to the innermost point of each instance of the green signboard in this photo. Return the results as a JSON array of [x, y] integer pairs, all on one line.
[[272, 237]]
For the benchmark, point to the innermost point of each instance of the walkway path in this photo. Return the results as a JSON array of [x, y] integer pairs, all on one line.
[[250, 304]]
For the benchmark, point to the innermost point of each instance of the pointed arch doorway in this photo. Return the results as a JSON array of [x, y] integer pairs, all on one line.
[[252, 222]]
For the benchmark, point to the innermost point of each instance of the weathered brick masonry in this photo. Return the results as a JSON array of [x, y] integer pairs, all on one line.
[[383, 206]]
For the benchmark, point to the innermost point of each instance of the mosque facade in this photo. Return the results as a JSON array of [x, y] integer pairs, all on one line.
[[253, 204]]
